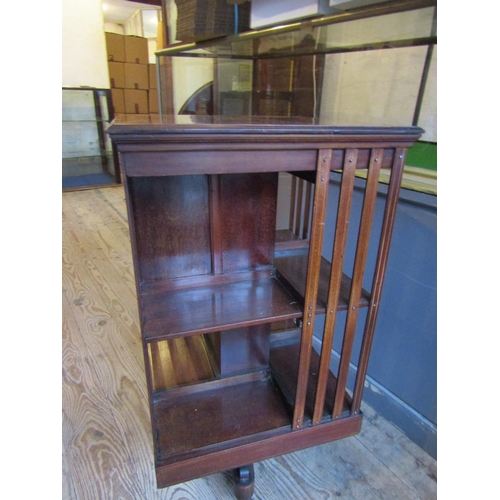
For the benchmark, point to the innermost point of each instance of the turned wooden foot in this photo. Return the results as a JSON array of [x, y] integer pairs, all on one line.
[[244, 482]]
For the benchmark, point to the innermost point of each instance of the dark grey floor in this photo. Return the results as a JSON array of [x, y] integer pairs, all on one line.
[[87, 180]]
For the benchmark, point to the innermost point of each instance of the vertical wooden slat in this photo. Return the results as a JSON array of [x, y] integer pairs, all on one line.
[[215, 224], [357, 277], [298, 207], [292, 202], [344, 208], [378, 279], [290, 86], [307, 211], [312, 283]]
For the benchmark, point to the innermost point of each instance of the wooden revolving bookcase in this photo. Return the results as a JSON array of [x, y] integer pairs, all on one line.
[[227, 304]]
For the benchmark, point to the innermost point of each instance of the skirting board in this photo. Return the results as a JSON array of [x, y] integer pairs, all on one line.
[[414, 425]]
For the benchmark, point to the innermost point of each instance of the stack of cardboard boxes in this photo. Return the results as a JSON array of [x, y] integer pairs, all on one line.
[[132, 79], [203, 19]]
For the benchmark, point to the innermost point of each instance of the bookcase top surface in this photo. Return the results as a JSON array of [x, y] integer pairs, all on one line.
[[177, 126]]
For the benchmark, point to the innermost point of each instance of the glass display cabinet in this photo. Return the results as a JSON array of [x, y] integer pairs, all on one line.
[[363, 67], [88, 158], [230, 267], [372, 66]]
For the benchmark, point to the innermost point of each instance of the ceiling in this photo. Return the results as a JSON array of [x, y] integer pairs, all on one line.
[[120, 11]]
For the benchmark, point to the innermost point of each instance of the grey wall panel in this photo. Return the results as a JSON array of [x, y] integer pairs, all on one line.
[[403, 362]]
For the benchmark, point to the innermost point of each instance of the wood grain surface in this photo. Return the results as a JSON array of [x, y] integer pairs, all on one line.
[[107, 448]]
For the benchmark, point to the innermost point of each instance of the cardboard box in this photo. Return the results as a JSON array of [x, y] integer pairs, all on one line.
[[116, 74], [115, 46], [136, 76], [136, 101], [136, 50], [118, 100], [153, 83], [154, 106]]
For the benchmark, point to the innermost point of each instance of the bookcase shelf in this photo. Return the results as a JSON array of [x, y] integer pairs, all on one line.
[[205, 309], [226, 413], [235, 410], [291, 269]]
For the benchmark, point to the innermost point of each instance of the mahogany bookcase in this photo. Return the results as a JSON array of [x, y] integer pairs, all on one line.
[[227, 305]]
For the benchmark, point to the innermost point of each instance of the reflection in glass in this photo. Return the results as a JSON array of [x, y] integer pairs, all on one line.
[[337, 70]]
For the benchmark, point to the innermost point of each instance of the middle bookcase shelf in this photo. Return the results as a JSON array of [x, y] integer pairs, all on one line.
[[214, 308], [291, 270], [223, 306]]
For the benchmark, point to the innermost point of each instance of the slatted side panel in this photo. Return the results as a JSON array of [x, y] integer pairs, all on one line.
[[312, 283], [344, 209], [357, 278], [378, 278], [339, 246]]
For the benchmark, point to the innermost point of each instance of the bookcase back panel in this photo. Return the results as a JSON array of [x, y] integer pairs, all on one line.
[[240, 350], [172, 226], [248, 209]]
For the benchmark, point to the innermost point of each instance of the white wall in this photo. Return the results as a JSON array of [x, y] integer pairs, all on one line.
[[428, 111], [378, 87], [84, 60], [134, 25], [114, 28]]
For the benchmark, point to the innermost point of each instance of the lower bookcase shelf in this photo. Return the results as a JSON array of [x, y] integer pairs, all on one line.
[[284, 361], [223, 413], [215, 416]]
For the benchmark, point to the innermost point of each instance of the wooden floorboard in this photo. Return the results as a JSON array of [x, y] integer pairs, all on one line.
[[107, 446]]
